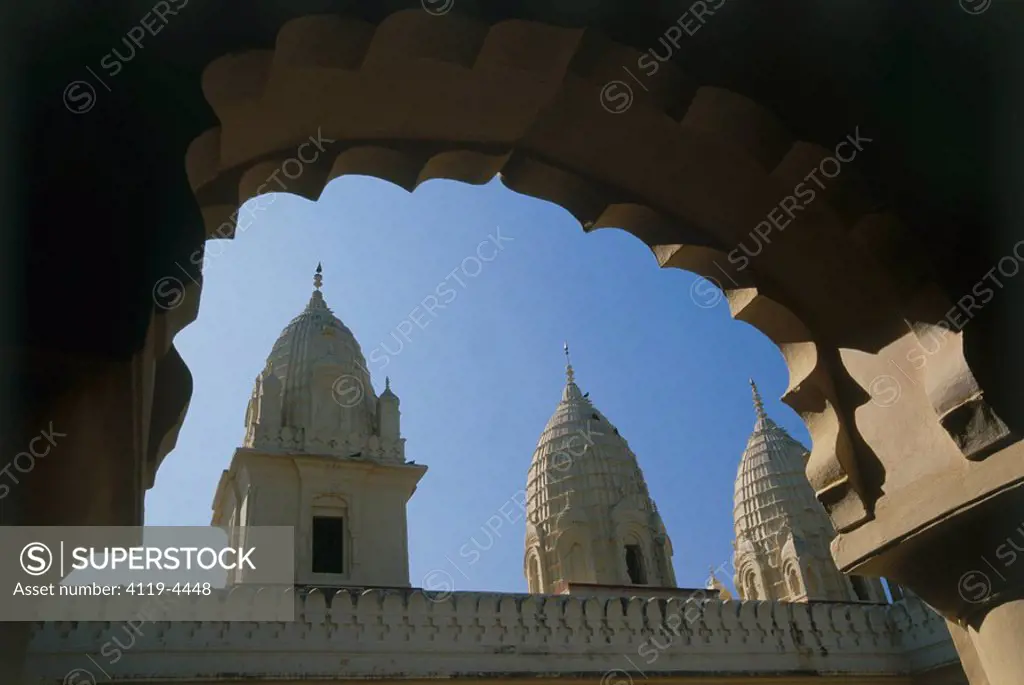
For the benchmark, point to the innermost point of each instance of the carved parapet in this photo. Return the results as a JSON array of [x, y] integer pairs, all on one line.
[[409, 633]]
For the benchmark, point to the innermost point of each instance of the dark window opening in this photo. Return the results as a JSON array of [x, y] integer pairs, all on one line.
[[635, 565], [328, 544], [595, 417], [860, 588]]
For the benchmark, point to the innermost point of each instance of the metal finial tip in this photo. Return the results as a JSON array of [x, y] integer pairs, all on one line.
[[758, 404], [387, 382], [318, 279], [319, 267], [569, 376]]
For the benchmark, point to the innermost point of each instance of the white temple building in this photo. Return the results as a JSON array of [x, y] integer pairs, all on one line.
[[782, 531], [324, 454], [589, 516]]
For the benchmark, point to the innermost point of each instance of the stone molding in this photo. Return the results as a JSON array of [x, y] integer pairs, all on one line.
[[353, 633], [294, 441]]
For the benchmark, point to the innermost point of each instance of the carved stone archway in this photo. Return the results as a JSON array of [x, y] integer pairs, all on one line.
[[418, 97], [691, 168]]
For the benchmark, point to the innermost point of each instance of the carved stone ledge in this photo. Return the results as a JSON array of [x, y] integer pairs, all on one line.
[[954, 392]]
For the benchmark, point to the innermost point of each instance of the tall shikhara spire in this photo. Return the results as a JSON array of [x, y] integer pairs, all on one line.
[[782, 531], [590, 516]]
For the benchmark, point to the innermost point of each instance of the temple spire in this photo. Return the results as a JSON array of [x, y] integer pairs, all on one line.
[[758, 404], [318, 279], [569, 376]]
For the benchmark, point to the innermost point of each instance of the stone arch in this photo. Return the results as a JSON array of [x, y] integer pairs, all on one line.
[[751, 586], [534, 572], [511, 111], [633, 531], [573, 555], [749, 580], [689, 169], [794, 582]]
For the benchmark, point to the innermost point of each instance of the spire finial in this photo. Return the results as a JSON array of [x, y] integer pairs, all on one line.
[[387, 382], [318, 279], [569, 376], [758, 404]]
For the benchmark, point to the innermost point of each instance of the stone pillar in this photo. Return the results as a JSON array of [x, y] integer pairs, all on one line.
[[80, 453], [998, 639], [969, 658], [970, 568]]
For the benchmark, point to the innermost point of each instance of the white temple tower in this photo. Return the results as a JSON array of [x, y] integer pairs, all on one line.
[[324, 454], [781, 551], [589, 516]]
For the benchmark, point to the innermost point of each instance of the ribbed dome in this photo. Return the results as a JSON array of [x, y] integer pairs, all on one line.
[[584, 485], [315, 393], [783, 533], [582, 461], [314, 339], [772, 493]]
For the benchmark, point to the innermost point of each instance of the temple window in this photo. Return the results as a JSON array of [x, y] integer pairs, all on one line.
[[328, 544], [635, 565]]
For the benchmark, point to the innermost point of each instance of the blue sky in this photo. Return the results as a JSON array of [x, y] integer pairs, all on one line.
[[480, 380]]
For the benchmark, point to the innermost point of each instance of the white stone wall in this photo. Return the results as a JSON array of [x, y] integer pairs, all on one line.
[[405, 634]]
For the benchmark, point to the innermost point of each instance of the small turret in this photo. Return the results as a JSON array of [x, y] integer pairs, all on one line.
[[388, 413]]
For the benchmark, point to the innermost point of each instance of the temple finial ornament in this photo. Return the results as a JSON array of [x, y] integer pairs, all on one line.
[[714, 583], [387, 382], [318, 279], [569, 376], [758, 404]]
